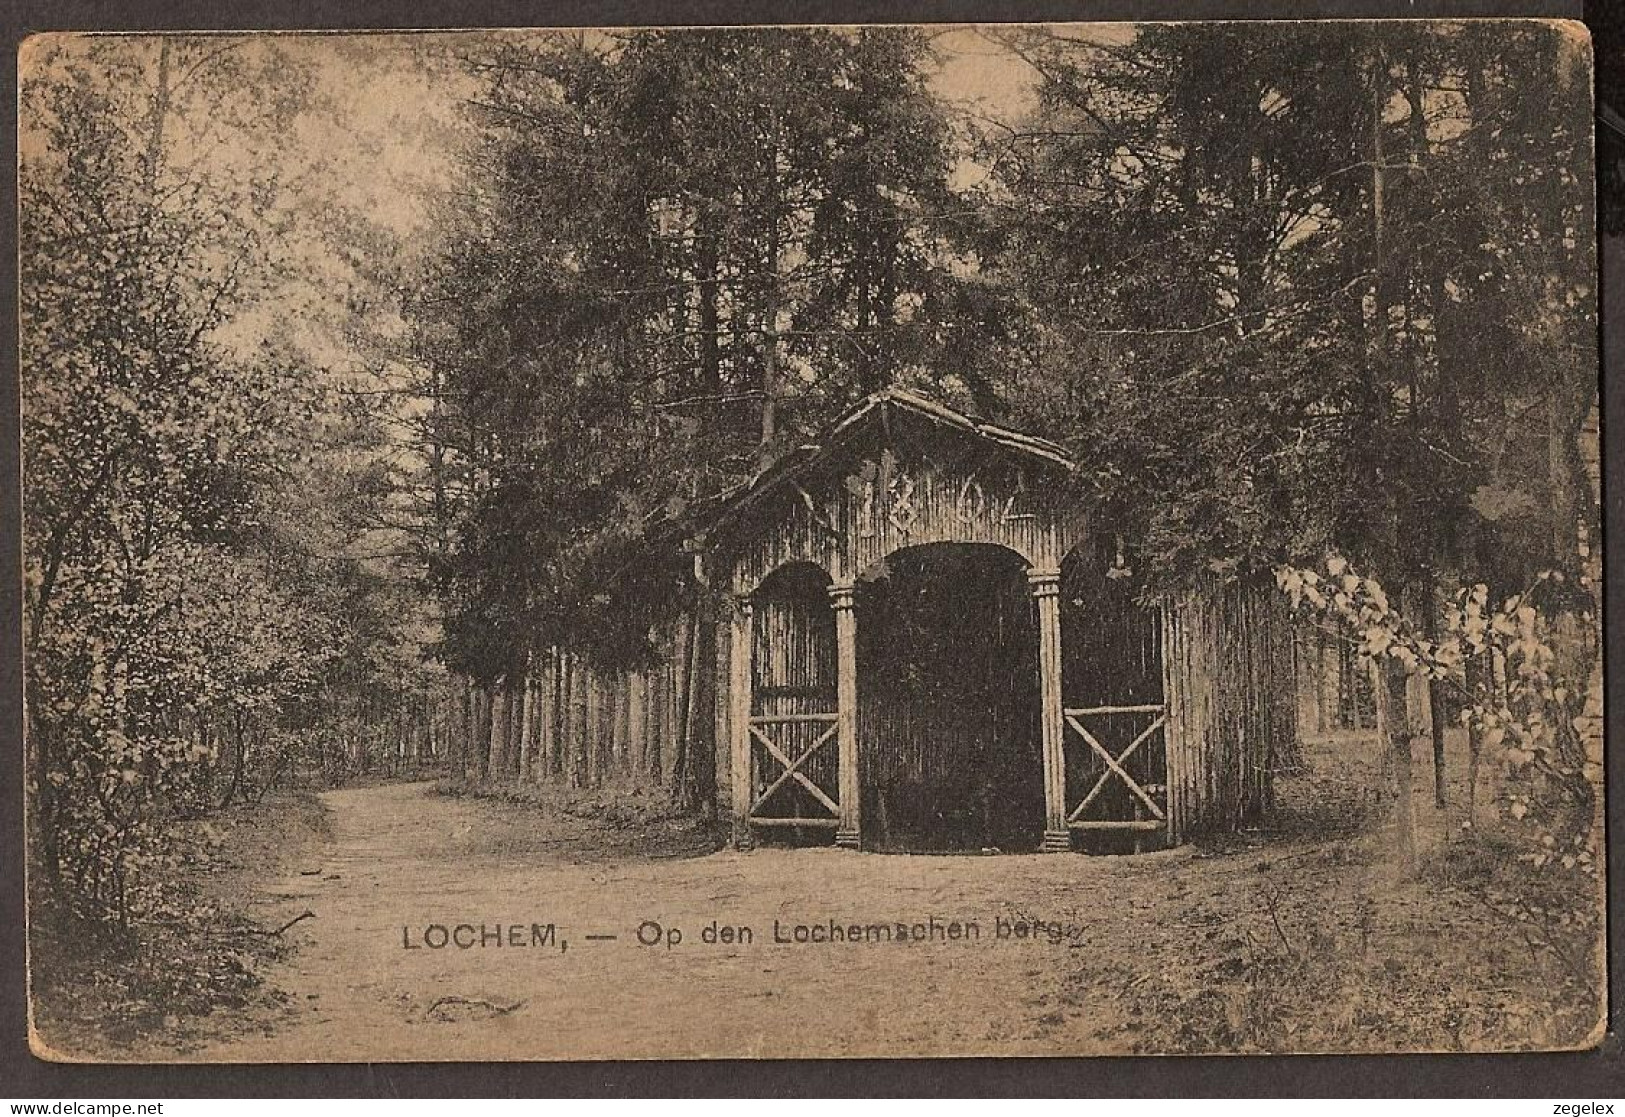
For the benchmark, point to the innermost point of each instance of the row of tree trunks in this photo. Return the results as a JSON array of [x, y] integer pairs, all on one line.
[[242, 756], [1335, 692], [418, 736], [569, 722]]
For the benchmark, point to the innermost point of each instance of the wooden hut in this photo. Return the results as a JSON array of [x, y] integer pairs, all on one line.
[[909, 636], [926, 645]]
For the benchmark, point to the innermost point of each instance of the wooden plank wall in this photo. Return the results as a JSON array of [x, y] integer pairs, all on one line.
[[1228, 683], [948, 673], [1229, 687], [1230, 692]]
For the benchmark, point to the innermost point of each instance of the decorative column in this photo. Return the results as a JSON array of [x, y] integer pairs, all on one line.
[[740, 767], [1046, 587], [849, 833]]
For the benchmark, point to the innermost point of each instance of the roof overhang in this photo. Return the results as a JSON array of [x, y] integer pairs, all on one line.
[[804, 459]]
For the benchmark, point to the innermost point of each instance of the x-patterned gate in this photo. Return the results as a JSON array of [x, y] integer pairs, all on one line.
[[791, 763], [1117, 765]]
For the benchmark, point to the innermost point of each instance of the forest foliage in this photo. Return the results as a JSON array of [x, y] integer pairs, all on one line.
[[1281, 291], [202, 619]]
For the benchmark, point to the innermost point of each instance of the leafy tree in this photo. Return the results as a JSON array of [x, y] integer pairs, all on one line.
[[1340, 242], [181, 615], [1510, 667], [1349, 317]]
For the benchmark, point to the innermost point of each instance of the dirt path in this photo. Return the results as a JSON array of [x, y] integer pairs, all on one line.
[[1308, 940], [402, 860]]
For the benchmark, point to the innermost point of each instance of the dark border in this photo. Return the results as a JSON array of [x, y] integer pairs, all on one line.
[[1595, 1074]]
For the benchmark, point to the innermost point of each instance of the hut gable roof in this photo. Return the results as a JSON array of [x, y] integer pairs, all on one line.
[[870, 412], [904, 400]]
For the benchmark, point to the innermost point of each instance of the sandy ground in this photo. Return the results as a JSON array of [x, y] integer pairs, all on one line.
[[402, 859], [1305, 939]]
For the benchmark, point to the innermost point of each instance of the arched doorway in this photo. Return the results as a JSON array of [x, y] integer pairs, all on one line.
[[795, 774], [951, 531], [950, 757], [1112, 685]]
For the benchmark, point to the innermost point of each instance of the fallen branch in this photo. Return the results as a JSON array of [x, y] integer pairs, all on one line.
[[1271, 899], [307, 914], [496, 1009]]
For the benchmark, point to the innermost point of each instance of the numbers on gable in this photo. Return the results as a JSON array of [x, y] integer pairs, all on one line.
[[972, 504]]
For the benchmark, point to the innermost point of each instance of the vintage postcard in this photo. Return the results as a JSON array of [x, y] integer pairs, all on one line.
[[811, 541]]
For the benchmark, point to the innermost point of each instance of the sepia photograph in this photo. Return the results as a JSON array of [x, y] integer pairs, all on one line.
[[783, 542]]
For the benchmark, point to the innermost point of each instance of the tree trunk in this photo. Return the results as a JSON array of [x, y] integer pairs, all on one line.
[[637, 725], [155, 127], [1476, 675], [1393, 730], [707, 265], [238, 759], [1437, 724], [770, 311], [527, 715], [550, 716], [517, 705], [770, 352], [583, 722], [696, 783], [1438, 718], [482, 735]]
